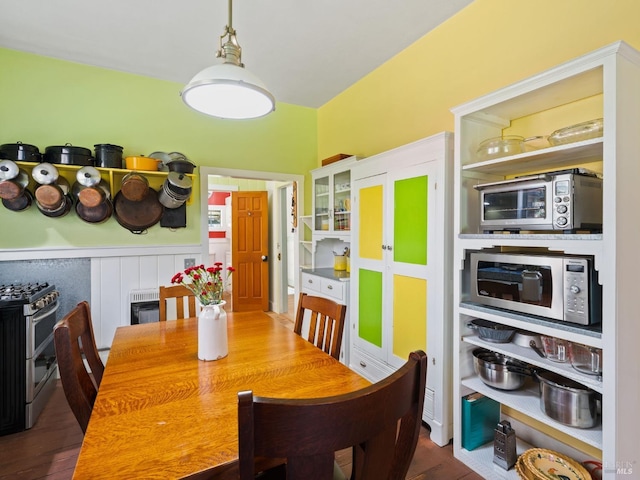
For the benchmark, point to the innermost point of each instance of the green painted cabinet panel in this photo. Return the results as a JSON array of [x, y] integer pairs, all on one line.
[[370, 306], [411, 197]]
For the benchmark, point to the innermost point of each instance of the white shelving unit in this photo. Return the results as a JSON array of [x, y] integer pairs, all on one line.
[[306, 243], [603, 84]]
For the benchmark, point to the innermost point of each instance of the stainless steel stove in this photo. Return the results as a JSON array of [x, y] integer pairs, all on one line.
[[28, 313]]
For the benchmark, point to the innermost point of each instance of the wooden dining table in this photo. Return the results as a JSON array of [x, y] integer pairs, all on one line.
[[161, 413]]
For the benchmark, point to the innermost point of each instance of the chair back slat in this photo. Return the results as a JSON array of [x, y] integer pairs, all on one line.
[[73, 338], [177, 293], [381, 423], [326, 324]]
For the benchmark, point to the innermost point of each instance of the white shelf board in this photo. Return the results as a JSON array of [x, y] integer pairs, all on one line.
[[323, 194], [527, 401], [481, 460], [553, 157], [529, 356], [565, 330]]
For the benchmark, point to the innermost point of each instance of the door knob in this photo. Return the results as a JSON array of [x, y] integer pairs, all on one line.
[[264, 258]]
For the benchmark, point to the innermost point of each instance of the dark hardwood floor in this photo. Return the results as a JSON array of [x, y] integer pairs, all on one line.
[[49, 450]]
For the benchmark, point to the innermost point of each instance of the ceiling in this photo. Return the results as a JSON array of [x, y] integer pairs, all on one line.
[[305, 51]]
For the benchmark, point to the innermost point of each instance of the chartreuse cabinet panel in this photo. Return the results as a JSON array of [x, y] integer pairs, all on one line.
[[411, 216], [398, 257], [370, 306]]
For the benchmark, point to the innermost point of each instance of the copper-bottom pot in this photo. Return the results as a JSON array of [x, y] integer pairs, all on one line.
[[96, 214], [60, 211], [20, 203]]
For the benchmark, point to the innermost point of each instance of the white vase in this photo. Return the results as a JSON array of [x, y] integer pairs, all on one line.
[[212, 332]]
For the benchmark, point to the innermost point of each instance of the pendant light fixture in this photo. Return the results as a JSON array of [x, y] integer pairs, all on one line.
[[228, 90]]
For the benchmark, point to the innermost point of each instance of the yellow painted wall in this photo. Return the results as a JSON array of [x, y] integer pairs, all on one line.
[[46, 102], [486, 46]]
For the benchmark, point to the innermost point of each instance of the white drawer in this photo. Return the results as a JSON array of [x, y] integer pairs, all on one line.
[[310, 282], [373, 370], [333, 289]]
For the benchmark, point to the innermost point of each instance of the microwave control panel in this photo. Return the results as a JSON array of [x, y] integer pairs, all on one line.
[[576, 290]]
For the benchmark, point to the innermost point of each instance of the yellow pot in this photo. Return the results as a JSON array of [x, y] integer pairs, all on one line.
[[142, 163]]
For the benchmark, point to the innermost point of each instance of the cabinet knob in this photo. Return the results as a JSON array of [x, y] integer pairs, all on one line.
[[329, 287], [384, 247], [362, 364], [389, 247], [310, 281]]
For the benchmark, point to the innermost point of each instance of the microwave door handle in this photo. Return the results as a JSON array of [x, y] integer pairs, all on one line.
[[541, 176]]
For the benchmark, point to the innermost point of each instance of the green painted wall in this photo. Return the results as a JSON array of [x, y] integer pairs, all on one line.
[[46, 102]]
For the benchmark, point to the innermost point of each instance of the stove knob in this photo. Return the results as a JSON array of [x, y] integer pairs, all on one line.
[[40, 303]]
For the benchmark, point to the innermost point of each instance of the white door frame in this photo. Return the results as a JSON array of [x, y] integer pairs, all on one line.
[[276, 276]]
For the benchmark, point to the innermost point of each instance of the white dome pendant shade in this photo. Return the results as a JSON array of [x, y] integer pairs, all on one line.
[[228, 90]]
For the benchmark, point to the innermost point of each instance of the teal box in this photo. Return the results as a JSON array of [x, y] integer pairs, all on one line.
[[480, 415]]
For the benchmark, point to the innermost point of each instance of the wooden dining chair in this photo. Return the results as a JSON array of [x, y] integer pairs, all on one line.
[[381, 423], [73, 339], [326, 322], [181, 294]]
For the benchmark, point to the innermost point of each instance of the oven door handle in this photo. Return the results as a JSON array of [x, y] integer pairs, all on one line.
[[542, 176], [45, 313]]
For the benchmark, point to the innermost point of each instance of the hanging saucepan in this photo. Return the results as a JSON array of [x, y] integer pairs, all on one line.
[[68, 155], [20, 203], [20, 152], [52, 190], [12, 188], [89, 188], [50, 197], [60, 211], [134, 186], [91, 196], [108, 156], [175, 190], [95, 214], [138, 216]]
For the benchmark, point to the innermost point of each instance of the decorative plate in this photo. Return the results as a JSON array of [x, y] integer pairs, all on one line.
[[522, 471], [550, 465]]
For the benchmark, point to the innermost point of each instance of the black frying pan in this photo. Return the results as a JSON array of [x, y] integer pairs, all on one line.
[[137, 216]]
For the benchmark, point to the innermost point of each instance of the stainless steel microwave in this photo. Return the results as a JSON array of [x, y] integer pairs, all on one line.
[[566, 200], [560, 287]]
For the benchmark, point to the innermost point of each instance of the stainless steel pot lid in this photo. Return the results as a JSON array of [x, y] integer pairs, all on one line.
[[8, 170], [179, 180], [45, 173], [88, 176]]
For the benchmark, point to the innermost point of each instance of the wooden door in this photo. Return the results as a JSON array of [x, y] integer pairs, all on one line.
[[249, 251]]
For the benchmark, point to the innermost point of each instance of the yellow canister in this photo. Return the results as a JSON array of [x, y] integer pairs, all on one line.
[[339, 262]]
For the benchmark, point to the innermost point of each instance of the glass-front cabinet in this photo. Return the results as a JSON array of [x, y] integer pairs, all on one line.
[[332, 198]]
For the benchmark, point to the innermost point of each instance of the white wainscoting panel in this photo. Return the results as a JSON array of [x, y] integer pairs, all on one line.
[[113, 278]]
